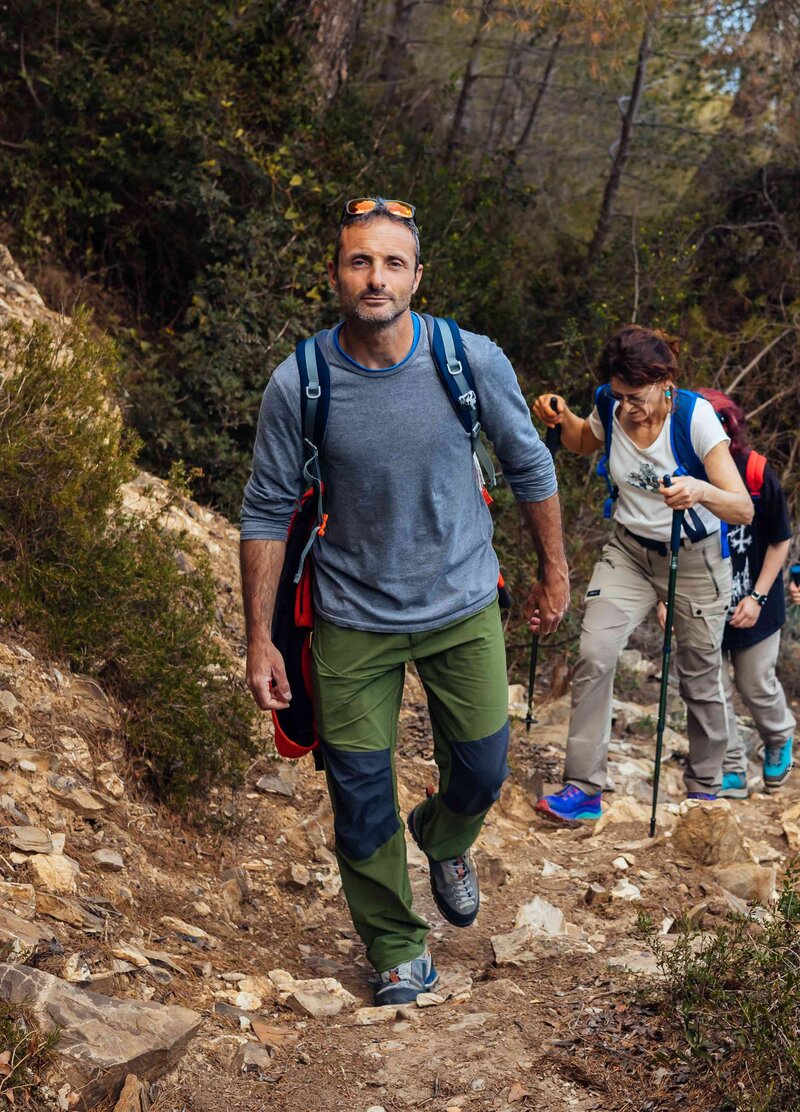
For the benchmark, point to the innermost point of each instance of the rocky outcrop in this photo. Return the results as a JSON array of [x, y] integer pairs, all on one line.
[[101, 1040]]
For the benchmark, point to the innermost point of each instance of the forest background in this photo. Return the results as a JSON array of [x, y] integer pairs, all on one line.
[[178, 166]]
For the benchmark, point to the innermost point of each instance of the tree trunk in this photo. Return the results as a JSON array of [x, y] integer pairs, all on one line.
[[511, 73], [337, 22], [522, 142], [468, 80], [396, 59], [623, 146]]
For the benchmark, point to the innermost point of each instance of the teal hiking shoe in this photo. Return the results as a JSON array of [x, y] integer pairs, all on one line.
[[569, 805], [454, 884], [777, 765], [734, 786], [404, 983]]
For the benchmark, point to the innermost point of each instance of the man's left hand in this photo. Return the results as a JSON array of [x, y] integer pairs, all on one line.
[[548, 602], [746, 614]]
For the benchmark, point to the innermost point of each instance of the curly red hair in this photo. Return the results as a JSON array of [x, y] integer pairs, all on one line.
[[732, 416]]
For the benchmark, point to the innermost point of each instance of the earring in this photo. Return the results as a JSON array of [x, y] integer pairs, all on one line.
[[667, 393]]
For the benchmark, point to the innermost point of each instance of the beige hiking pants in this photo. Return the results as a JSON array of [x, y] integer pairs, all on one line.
[[626, 584], [763, 695]]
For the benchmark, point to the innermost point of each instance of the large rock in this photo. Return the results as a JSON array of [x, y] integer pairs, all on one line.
[[708, 832], [53, 872], [790, 821], [531, 944], [624, 809], [102, 1040], [754, 883]]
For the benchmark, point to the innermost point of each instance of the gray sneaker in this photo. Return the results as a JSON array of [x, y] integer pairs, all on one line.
[[404, 983], [454, 884]]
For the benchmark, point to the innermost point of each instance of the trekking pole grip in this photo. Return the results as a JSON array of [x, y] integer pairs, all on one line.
[[552, 437], [794, 574], [677, 522]]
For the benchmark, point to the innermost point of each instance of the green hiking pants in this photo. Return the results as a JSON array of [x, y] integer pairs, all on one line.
[[358, 687]]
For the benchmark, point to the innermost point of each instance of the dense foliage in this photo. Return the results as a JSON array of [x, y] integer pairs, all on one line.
[[574, 165], [119, 596]]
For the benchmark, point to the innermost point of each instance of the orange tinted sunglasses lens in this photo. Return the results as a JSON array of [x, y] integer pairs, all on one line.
[[399, 208], [360, 205]]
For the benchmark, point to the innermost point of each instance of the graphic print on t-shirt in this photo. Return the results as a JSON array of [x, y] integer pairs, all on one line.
[[740, 538], [645, 477]]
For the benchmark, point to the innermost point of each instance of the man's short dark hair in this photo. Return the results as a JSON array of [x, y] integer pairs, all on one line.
[[379, 212]]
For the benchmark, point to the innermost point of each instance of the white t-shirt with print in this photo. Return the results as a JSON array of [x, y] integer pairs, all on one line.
[[637, 471]]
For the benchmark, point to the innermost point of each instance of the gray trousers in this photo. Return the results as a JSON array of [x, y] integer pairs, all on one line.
[[755, 680], [626, 583]]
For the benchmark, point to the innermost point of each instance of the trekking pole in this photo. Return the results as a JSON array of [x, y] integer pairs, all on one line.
[[794, 574], [674, 548], [552, 439]]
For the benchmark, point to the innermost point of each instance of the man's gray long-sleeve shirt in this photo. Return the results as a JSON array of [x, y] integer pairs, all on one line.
[[407, 546]]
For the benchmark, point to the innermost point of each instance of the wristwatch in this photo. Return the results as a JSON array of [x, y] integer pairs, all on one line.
[[760, 599]]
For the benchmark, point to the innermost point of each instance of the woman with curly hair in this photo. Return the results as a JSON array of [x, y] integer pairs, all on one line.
[[650, 429]]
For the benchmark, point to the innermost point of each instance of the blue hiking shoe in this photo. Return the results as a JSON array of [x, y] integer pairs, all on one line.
[[454, 883], [734, 786], [569, 805], [702, 795], [777, 765], [404, 983]]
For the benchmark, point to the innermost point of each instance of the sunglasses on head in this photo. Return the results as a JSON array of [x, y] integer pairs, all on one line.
[[360, 206]]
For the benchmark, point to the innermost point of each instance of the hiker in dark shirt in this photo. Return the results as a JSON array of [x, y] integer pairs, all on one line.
[[757, 613]]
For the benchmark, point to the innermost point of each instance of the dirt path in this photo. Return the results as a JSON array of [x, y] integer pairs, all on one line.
[[558, 1031]]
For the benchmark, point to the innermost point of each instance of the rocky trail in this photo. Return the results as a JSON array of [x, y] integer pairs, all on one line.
[[195, 940], [214, 967]]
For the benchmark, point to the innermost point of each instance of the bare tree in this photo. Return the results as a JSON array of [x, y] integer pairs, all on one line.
[[469, 76], [623, 144], [396, 58], [527, 131], [336, 22]]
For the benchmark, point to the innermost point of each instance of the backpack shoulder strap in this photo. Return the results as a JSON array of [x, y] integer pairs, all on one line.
[[687, 459], [456, 377], [315, 393], [315, 397], [605, 410], [754, 473]]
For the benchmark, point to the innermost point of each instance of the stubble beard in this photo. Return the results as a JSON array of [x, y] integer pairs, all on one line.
[[366, 315]]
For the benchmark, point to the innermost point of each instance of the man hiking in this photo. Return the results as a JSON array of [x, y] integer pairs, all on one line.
[[405, 572]]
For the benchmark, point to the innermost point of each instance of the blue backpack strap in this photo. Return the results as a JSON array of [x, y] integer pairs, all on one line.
[[605, 409], [315, 397], [687, 460], [454, 371]]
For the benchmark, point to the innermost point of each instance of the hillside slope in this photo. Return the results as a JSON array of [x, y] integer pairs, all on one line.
[[171, 953]]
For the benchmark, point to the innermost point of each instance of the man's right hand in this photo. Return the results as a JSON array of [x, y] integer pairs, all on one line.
[[266, 677]]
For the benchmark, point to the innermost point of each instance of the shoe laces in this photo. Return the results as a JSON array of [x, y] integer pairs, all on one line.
[[459, 878], [570, 792]]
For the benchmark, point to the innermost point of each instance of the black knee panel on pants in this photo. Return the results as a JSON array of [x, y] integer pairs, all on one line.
[[477, 771], [365, 816]]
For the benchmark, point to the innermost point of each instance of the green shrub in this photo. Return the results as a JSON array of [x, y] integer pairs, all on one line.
[[107, 589], [732, 1002], [24, 1053]]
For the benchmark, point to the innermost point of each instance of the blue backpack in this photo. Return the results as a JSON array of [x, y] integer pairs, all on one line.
[[688, 461], [293, 617]]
